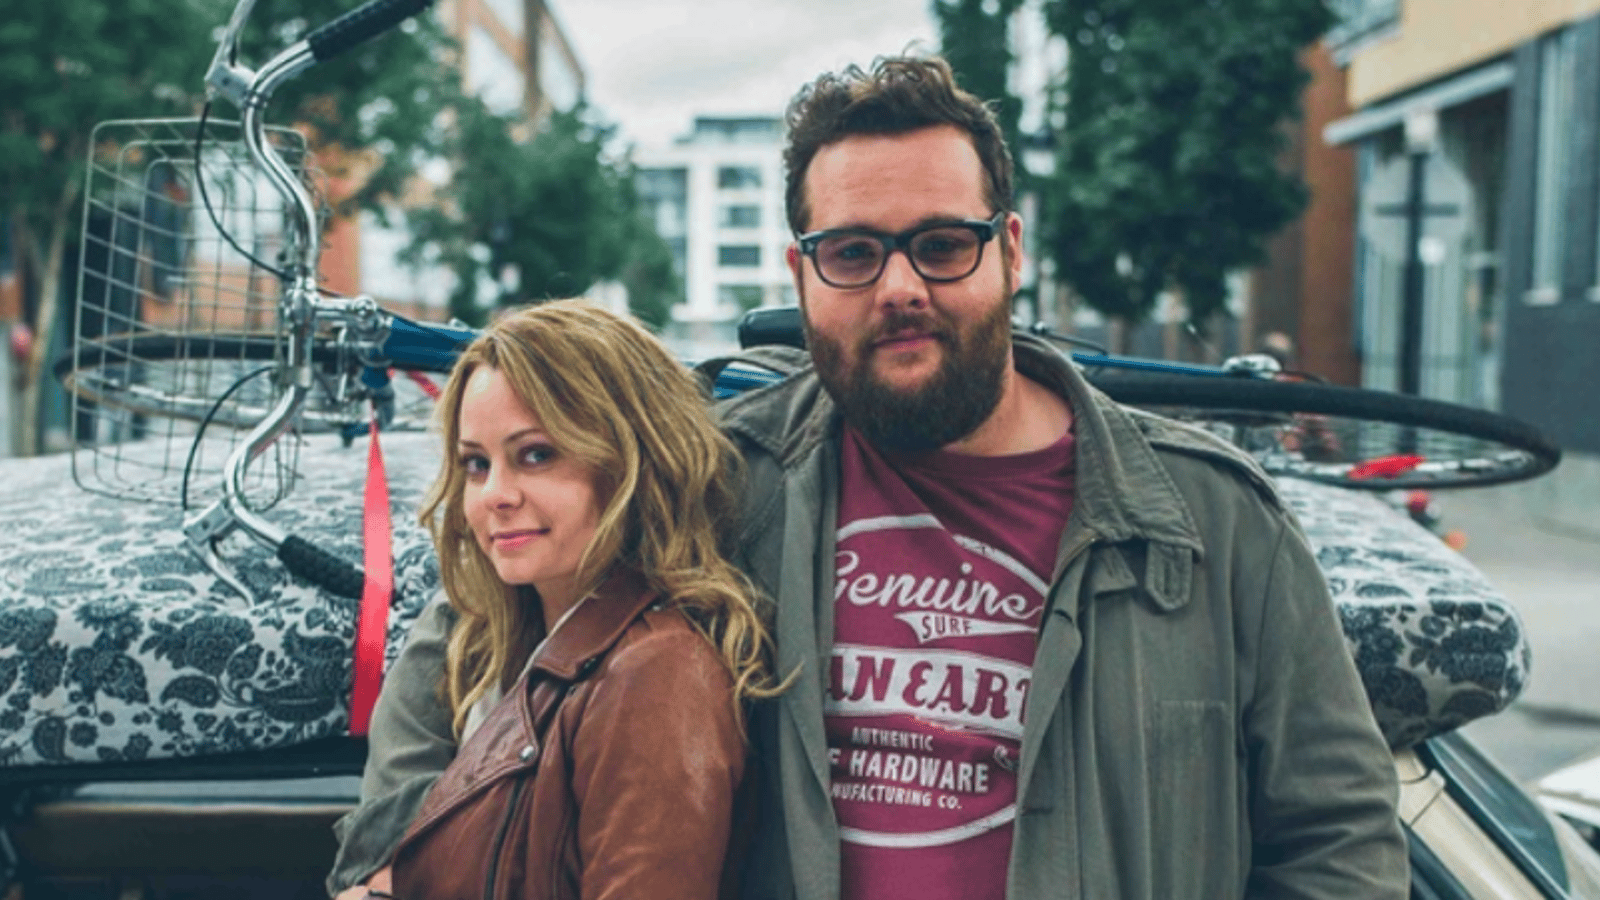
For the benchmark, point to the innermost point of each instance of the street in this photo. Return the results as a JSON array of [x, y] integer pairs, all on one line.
[[1552, 576]]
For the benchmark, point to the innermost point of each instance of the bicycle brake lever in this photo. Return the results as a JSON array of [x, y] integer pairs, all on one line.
[[225, 76], [202, 533], [224, 572]]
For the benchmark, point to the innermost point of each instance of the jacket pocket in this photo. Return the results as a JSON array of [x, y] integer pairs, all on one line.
[[1194, 799]]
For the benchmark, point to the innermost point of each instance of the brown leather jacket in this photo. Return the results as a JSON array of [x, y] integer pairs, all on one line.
[[609, 771]]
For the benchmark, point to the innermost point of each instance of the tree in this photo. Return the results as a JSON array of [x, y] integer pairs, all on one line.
[[975, 38], [1167, 172], [557, 210], [651, 277], [66, 65]]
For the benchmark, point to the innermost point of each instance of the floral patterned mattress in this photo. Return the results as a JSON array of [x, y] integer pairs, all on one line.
[[117, 644]]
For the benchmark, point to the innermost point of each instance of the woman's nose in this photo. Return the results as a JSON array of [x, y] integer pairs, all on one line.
[[499, 492]]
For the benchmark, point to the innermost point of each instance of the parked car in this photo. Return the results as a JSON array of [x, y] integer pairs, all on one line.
[[163, 736]]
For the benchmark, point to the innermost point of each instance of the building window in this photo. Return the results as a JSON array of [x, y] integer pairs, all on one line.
[[740, 255], [737, 177], [663, 195], [741, 216], [744, 296], [680, 255], [755, 130], [1556, 82]]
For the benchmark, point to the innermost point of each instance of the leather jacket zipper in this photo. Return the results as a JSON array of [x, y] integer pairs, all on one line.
[[555, 871], [500, 838]]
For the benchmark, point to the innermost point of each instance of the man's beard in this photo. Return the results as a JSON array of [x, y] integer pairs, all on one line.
[[957, 399]]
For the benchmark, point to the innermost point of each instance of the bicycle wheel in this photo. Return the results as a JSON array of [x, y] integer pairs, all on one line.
[[174, 376], [1350, 437]]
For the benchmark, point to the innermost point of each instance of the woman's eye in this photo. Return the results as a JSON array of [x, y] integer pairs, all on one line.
[[533, 454], [474, 466]]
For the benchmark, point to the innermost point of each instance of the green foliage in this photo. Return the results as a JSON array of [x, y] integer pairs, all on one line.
[[68, 64], [557, 208], [651, 278], [974, 37], [1167, 168]]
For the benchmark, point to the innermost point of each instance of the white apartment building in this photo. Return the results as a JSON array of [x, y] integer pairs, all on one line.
[[716, 196]]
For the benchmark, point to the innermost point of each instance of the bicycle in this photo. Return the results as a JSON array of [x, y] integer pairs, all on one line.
[[191, 331]]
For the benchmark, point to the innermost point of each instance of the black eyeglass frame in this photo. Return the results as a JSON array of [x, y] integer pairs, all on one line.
[[984, 229]]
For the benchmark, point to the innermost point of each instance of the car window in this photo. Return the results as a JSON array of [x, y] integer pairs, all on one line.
[[1552, 857]]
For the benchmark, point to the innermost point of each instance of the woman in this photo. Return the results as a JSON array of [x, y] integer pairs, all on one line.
[[602, 645]]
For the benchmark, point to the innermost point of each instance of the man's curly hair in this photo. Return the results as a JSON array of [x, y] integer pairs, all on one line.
[[899, 94]]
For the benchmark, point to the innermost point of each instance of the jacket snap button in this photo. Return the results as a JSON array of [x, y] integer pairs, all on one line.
[[527, 753]]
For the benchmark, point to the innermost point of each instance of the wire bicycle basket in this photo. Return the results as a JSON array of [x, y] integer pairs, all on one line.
[[176, 338]]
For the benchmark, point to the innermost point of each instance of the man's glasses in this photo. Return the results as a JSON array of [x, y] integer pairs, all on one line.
[[942, 252]]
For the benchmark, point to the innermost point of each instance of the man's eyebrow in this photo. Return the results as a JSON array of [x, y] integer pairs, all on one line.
[[924, 222]]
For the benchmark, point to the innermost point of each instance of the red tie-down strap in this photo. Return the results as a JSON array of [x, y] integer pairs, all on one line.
[[424, 382], [372, 620]]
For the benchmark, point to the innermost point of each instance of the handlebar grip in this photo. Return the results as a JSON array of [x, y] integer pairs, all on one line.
[[321, 568], [360, 24]]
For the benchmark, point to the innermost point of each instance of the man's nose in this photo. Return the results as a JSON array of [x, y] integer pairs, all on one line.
[[900, 285]]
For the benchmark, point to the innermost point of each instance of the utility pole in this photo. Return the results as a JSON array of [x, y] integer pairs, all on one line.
[[1422, 131]]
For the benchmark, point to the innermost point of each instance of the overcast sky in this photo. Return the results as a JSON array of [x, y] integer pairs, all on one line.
[[652, 66]]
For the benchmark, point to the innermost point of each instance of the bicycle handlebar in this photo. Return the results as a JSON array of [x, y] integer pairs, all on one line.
[[320, 567], [250, 91], [363, 23]]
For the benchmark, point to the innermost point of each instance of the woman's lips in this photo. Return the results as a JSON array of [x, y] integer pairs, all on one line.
[[511, 540]]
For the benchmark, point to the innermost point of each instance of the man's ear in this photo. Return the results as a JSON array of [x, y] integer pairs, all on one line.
[[1013, 228], [792, 256]]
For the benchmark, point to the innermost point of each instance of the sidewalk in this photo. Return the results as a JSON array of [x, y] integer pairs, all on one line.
[[1551, 574]]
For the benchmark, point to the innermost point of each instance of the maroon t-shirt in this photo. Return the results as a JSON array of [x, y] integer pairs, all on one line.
[[943, 566]]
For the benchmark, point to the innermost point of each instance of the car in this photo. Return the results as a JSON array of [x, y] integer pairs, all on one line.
[[160, 731]]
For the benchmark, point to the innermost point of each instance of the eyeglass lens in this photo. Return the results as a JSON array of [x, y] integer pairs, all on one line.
[[946, 254]]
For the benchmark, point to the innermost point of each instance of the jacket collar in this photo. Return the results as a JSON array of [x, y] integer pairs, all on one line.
[[1127, 494], [789, 419], [578, 644]]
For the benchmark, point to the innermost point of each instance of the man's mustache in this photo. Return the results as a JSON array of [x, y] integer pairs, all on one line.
[[898, 324]]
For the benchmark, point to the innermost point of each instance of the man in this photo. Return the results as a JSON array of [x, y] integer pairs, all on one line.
[[1046, 646]]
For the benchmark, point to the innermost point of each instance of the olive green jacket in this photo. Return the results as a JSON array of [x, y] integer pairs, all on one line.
[[1195, 726]]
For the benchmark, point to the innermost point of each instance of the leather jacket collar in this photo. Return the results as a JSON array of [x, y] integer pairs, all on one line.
[[578, 644]]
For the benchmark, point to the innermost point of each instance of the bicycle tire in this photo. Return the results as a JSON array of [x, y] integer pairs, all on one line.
[[166, 375], [1350, 437], [183, 376]]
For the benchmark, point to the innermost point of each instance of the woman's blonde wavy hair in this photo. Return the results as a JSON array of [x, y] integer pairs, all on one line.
[[608, 393]]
